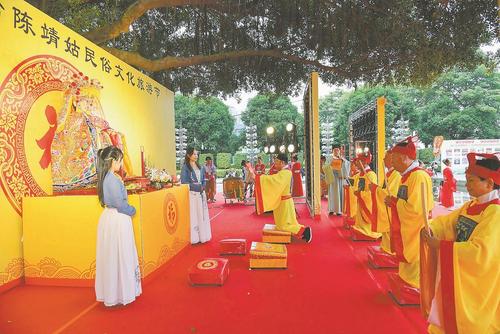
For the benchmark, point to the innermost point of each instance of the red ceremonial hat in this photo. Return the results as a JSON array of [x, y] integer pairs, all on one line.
[[365, 157], [408, 148], [482, 171]]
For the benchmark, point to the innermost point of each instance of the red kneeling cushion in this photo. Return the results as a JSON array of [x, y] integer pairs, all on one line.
[[403, 293], [377, 258], [233, 246], [209, 271], [358, 236]]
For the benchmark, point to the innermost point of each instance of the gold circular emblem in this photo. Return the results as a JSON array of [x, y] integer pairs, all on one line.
[[170, 213], [207, 264], [26, 108]]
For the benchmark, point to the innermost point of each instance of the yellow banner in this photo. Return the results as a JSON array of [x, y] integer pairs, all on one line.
[[38, 58], [63, 252]]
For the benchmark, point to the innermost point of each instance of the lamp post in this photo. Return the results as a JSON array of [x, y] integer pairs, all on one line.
[[327, 137], [290, 142], [400, 130], [270, 147], [180, 144], [251, 143]]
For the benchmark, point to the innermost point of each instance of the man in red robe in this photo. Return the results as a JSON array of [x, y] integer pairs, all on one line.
[[297, 190], [260, 167], [272, 168], [448, 187]]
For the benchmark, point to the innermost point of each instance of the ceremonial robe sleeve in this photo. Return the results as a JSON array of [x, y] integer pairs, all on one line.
[[474, 270], [372, 177], [412, 207], [187, 179], [443, 227], [327, 169], [269, 188], [411, 213], [346, 167], [393, 183], [115, 196], [380, 222], [379, 209]]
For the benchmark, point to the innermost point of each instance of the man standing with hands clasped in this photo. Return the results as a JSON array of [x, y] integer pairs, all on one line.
[[407, 211]]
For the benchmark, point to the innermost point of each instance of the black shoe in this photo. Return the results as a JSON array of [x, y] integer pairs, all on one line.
[[339, 213], [330, 213], [308, 235]]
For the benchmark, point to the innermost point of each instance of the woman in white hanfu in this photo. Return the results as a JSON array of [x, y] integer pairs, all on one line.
[[194, 175], [117, 274]]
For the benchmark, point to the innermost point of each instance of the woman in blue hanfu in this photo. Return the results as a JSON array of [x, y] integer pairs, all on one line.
[[194, 175]]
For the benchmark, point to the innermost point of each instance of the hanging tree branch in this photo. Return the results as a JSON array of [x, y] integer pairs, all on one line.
[[169, 62], [134, 12]]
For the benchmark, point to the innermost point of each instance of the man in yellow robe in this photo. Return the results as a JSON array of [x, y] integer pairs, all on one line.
[[380, 212], [467, 284], [272, 192], [407, 212], [364, 217], [351, 202]]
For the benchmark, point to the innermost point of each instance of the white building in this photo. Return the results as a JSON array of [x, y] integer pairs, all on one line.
[[456, 151]]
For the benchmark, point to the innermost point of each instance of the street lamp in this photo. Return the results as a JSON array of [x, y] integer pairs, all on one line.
[[251, 142], [400, 130], [327, 137], [180, 144]]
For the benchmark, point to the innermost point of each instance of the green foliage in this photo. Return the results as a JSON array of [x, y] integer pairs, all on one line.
[[365, 41], [337, 109], [202, 156], [221, 173], [425, 155], [272, 110], [461, 105], [80, 15], [223, 160], [207, 120], [265, 158], [329, 106], [237, 157], [236, 142], [300, 155]]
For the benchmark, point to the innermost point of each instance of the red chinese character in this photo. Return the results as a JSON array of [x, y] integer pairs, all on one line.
[[45, 143]]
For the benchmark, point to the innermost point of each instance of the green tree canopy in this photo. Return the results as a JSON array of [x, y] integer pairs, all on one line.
[[329, 106], [272, 110], [207, 120], [461, 105], [338, 109], [226, 46]]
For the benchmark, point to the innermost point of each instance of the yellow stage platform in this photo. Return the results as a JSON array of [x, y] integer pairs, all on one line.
[[59, 234]]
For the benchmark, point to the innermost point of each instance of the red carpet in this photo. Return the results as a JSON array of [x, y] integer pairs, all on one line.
[[328, 288]]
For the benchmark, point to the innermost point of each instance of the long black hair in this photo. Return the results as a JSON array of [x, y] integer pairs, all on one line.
[[105, 159], [187, 161]]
